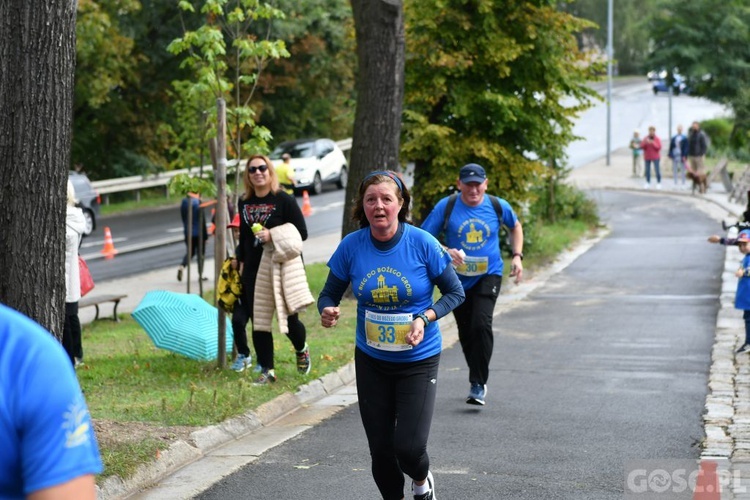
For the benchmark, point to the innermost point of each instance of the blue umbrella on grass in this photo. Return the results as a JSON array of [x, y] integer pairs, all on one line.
[[182, 323]]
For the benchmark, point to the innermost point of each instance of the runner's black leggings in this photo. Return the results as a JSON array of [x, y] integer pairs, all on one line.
[[396, 403]]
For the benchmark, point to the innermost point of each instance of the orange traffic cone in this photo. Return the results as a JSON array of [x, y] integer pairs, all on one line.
[[306, 208], [707, 485], [109, 246]]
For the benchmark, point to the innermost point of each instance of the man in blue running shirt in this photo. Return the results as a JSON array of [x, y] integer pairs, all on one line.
[[472, 239]]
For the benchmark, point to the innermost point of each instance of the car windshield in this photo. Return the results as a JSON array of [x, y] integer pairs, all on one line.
[[295, 150]]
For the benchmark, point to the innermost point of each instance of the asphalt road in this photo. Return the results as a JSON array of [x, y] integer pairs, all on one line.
[[605, 363], [152, 239]]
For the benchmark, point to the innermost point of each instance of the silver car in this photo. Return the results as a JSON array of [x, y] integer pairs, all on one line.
[[316, 162], [88, 199]]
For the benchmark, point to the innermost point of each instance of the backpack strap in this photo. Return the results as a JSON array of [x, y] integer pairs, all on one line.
[[452, 202], [448, 210], [498, 208]]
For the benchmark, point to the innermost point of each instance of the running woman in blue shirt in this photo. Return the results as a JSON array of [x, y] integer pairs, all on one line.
[[48, 449], [393, 268], [472, 240]]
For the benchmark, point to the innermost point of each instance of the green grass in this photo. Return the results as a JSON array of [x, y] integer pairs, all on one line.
[[149, 199], [126, 379]]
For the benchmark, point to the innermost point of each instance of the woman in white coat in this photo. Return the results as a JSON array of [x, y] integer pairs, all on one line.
[[75, 225]]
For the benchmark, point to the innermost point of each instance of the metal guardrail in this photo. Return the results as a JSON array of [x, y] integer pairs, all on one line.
[[138, 182]]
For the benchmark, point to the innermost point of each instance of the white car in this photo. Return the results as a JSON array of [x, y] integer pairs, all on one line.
[[315, 162]]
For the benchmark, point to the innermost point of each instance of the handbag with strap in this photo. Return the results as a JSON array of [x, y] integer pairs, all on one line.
[[87, 282]]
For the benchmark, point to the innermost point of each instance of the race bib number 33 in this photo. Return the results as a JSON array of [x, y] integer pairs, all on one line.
[[387, 332]]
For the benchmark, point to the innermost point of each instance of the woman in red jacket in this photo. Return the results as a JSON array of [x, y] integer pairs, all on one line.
[[651, 146]]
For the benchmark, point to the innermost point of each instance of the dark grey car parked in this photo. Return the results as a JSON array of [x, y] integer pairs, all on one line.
[[88, 199]]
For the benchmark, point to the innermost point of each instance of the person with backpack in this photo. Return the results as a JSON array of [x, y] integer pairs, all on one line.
[[469, 224]]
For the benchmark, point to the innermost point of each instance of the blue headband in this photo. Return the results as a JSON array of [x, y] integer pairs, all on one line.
[[387, 174]]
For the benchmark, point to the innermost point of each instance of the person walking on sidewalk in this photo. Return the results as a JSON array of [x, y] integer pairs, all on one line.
[[651, 146], [272, 229], [470, 222], [678, 149], [697, 147], [635, 147], [195, 242], [742, 296], [393, 268], [75, 225], [49, 449]]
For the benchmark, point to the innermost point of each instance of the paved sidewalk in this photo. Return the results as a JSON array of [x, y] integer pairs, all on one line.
[[186, 469]]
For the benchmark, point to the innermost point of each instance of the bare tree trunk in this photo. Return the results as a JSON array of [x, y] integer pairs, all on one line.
[[37, 66], [380, 91]]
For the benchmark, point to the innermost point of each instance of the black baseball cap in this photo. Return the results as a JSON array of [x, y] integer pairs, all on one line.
[[472, 173]]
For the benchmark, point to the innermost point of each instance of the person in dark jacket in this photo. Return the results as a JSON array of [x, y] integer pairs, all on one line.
[[678, 149], [196, 241], [697, 146]]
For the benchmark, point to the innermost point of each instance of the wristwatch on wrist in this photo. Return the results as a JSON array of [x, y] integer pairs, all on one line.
[[518, 254], [423, 317]]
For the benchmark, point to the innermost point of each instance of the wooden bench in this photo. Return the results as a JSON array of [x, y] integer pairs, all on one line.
[[96, 300]]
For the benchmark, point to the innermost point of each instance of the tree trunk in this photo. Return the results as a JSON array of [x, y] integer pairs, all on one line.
[[380, 89], [37, 64]]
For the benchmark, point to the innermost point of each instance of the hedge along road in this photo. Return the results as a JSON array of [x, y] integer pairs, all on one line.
[[603, 365]]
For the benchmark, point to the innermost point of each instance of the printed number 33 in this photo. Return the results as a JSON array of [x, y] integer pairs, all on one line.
[[387, 334]]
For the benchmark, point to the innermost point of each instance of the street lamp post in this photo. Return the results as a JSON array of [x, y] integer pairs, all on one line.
[[609, 78]]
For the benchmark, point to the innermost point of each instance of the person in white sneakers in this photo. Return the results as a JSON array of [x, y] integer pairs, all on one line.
[[651, 146]]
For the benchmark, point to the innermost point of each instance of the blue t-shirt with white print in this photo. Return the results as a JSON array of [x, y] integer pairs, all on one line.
[[476, 231], [391, 287], [46, 435]]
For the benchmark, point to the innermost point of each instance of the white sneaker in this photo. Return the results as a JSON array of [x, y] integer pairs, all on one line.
[[646, 186], [430, 495], [658, 186]]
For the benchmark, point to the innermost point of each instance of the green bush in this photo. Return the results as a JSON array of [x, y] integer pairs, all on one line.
[[718, 130], [564, 203]]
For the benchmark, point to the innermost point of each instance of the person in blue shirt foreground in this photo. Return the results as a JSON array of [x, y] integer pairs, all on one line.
[[393, 268], [49, 451], [471, 237], [742, 296]]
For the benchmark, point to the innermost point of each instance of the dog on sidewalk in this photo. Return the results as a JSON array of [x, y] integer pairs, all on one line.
[[700, 181]]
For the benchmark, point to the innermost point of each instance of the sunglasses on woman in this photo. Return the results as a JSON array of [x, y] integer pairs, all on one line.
[[254, 169]]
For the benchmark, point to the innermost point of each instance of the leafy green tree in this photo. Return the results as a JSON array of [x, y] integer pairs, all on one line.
[[227, 54], [310, 93], [494, 82], [125, 120], [630, 36], [707, 42], [106, 66]]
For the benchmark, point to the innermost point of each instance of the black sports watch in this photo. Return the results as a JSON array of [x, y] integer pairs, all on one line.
[[424, 318], [519, 254]]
